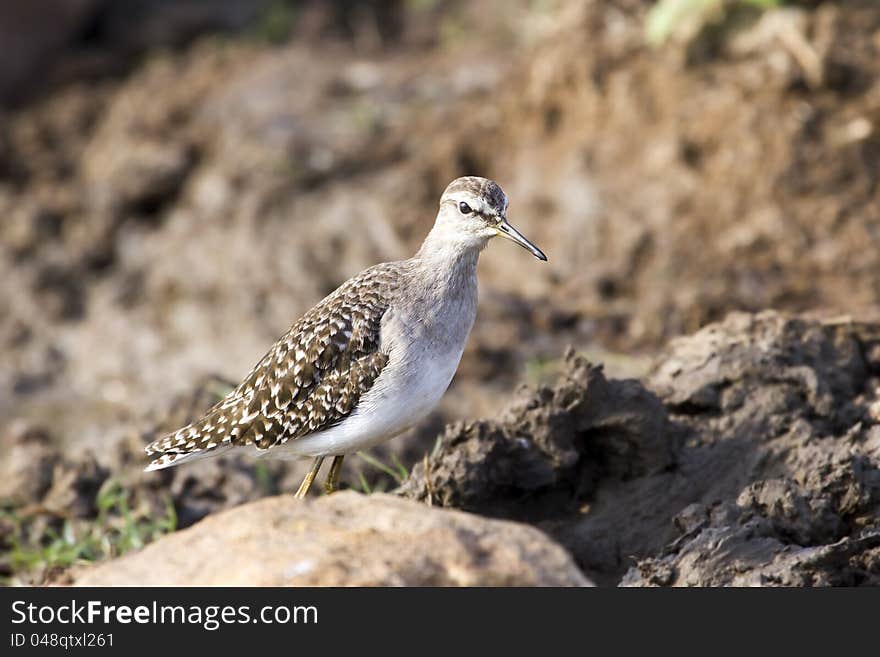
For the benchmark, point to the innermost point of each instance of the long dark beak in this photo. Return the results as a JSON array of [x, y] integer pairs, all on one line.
[[511, 233]]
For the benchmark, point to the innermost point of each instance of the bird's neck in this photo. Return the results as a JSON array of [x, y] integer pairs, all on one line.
[[443, 289], [448, 260]]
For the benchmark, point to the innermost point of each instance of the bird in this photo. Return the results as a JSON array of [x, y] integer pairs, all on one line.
[[369, 361]]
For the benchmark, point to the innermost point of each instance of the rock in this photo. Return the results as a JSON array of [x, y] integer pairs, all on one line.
[[346, 539]]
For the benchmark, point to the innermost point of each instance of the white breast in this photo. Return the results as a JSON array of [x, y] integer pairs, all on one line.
[[403, 395]]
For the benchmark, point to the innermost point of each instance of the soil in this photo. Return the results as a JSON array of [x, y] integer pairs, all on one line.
[[748, 456], [167, 213]]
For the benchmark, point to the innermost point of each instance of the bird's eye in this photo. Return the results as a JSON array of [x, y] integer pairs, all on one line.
[[464, 208]]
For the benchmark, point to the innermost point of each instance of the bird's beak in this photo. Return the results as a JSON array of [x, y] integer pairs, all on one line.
[[506, 230]]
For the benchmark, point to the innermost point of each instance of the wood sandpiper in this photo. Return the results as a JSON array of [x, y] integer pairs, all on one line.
[[370, 360]]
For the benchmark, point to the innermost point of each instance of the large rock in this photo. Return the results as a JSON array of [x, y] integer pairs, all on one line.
[[345, 539]]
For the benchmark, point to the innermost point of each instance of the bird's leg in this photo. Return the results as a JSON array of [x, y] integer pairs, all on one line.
[[310, 477], [333, 477]]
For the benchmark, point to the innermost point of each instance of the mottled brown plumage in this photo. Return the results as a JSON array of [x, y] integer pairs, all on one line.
[[311, 379]]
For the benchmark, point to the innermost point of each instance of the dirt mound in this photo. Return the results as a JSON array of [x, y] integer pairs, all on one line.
[[540, 446], [756, 459]]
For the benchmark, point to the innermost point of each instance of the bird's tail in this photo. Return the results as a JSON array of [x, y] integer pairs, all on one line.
[[169, 459], [207, 436]]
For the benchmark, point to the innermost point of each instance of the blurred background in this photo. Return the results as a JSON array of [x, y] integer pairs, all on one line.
[[181, 179]]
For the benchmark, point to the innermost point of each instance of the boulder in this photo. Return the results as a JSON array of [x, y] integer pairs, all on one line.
[[346, 539]]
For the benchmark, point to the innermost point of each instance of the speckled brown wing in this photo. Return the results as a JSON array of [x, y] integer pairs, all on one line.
[[311, 378]]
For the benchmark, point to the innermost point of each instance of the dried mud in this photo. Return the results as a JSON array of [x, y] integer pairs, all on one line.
[[751, 455]]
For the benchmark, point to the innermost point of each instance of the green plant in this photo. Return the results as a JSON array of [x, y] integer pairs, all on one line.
[[668, 17], [116, 529], [219, 389], [396, 471], [421, 5], [276, 22], [365, 486], [262, 476]]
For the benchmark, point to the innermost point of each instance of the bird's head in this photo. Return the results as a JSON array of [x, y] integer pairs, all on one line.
[[473, 210]]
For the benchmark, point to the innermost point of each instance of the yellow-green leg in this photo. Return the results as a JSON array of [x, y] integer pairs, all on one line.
[[307, 482], [332, 482]]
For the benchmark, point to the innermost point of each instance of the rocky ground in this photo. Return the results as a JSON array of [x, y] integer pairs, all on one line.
[[182, 194], [749, 455]]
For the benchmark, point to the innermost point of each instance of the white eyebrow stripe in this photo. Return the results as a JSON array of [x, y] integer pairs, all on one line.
[[478, 205]]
